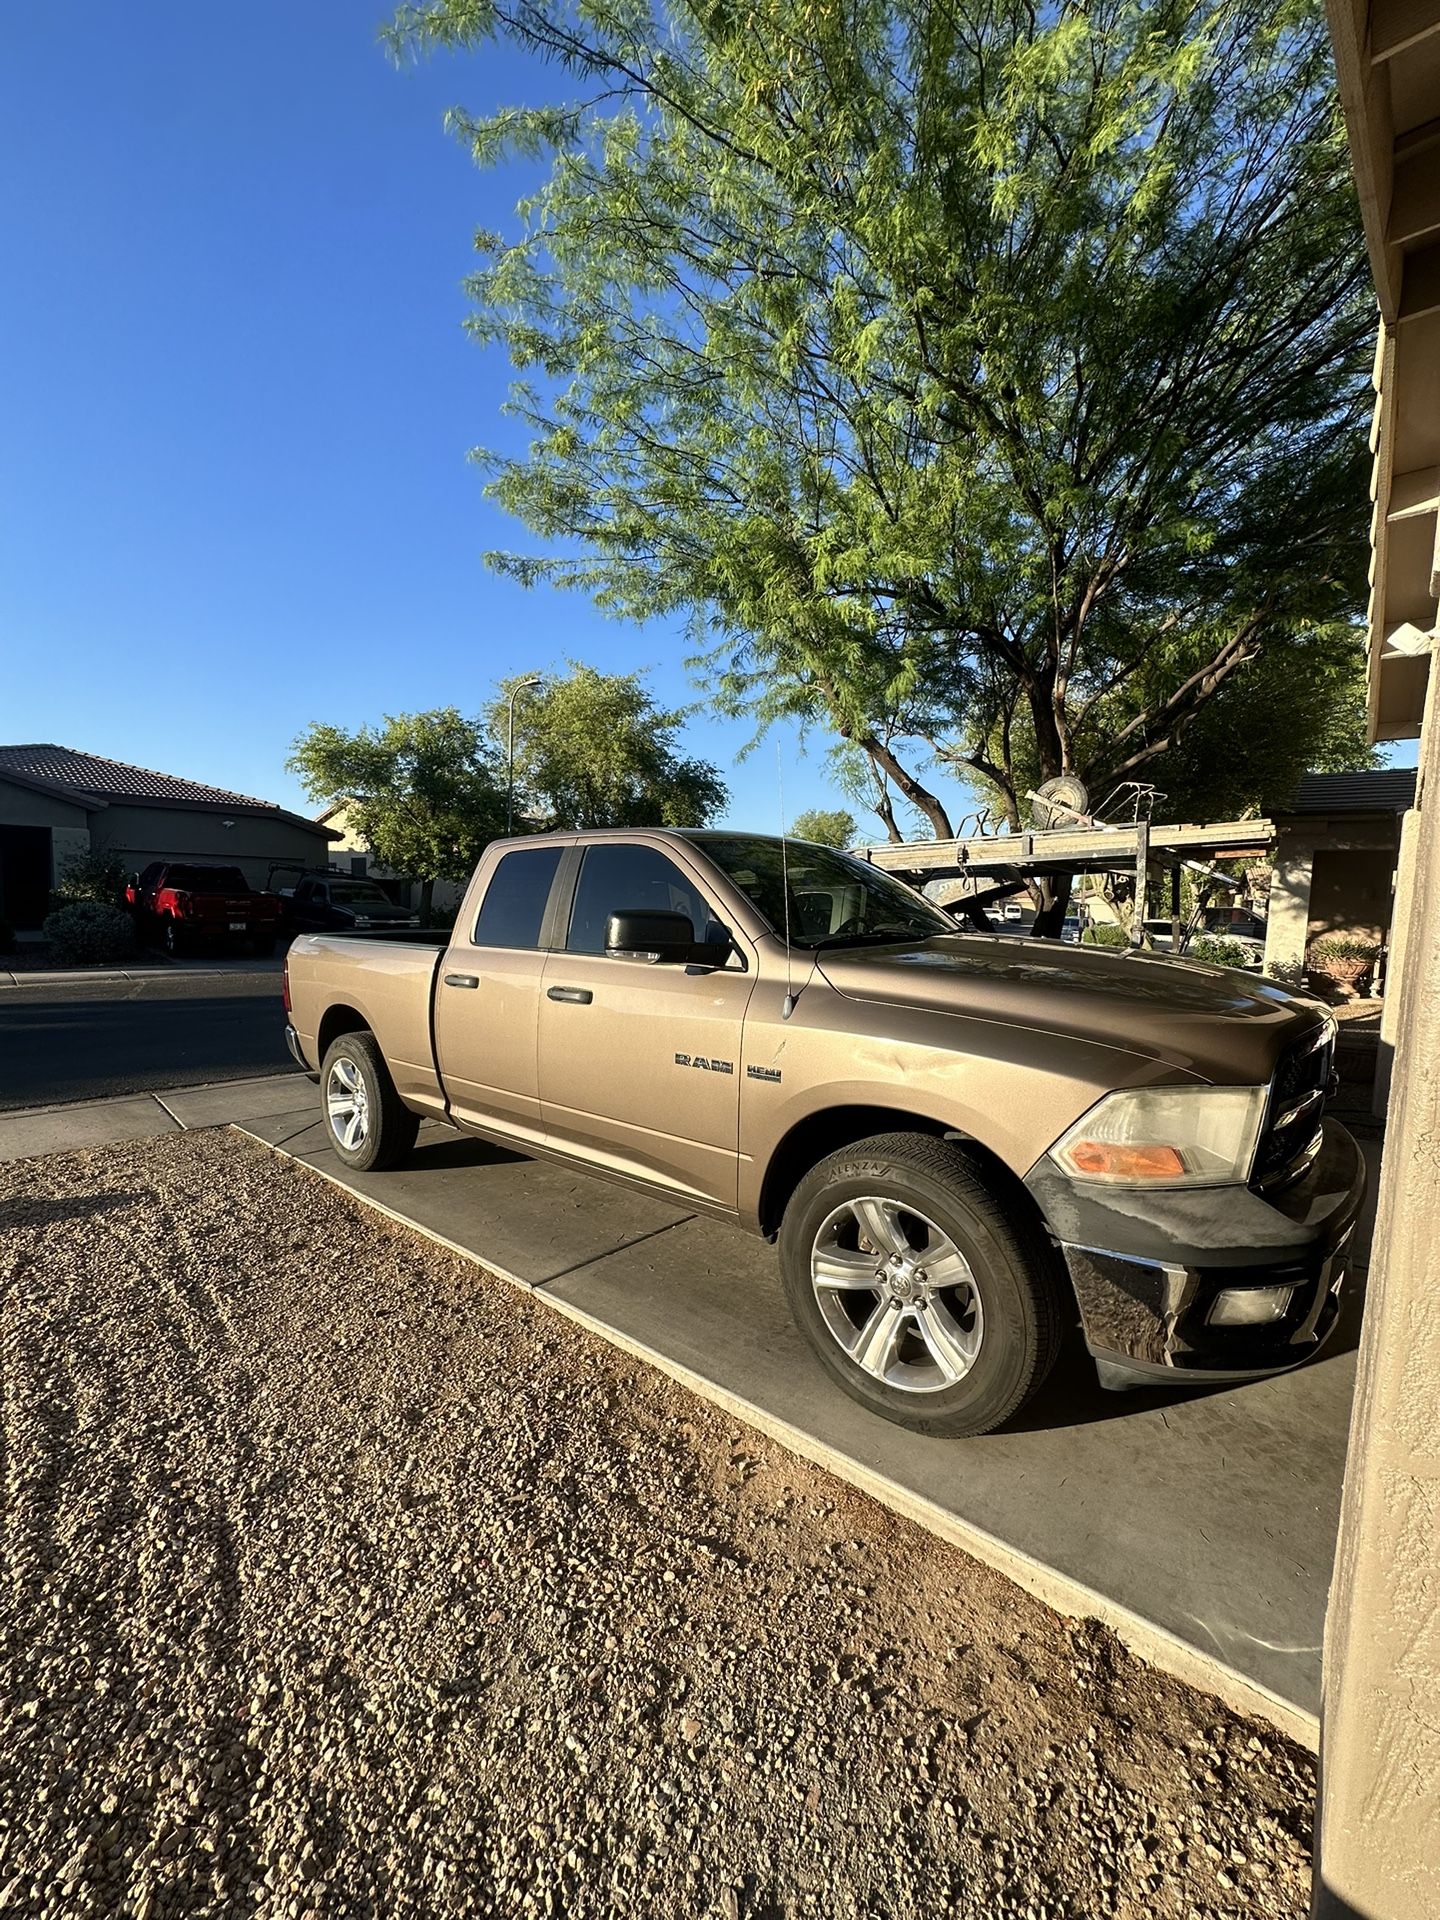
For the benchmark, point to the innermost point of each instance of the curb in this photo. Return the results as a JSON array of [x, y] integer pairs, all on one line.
[[168, 971], [1059, 1591]]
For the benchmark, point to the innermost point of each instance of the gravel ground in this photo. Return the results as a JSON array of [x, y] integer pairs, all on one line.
[[342, 1579]]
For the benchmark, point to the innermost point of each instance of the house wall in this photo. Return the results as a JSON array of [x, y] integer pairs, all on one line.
[[68, 825], [350, 847], [138, 835], [1328, 876], [1351, 893]]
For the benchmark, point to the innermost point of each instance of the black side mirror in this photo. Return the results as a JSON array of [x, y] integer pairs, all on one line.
[[665, 937]]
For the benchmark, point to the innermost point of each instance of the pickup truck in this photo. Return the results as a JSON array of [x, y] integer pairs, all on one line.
[[323, 901], [184, 904], [960, 1141]]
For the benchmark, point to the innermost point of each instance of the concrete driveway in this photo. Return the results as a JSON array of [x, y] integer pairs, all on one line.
[[1200, 1525]]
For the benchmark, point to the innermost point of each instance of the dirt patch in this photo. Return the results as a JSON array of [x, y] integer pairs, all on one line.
[[342, 1579]]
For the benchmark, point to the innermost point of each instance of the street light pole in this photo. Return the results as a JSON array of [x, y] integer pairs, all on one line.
[[515, 692]]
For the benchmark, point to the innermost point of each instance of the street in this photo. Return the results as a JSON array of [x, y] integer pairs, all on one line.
[[88, 1039]]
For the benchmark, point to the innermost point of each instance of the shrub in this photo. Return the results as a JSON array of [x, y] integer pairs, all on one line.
[[1216, 951], [1345, 948], [1106, 934], [90, 876], [89, 933]]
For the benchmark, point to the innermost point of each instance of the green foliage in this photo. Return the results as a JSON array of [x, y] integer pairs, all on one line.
[[89, 933], [826, 826], [1104, 934], [90, 876], [1216, 951], [985, 385], [593, 750], [422, 790], [1342, 949]]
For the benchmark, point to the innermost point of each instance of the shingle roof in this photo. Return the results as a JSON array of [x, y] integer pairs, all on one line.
[[1384, 790], [90, 776]]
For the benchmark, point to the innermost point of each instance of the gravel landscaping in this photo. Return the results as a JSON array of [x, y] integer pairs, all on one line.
[[342, 1579]]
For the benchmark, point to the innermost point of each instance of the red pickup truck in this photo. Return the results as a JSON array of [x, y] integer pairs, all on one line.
[[182, 905]]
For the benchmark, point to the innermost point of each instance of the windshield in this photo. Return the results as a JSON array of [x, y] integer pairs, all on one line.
[[207, 879], [347, 893], [835, 899]]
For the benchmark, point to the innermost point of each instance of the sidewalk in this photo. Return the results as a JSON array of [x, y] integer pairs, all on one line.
[[220, 963], [105, 1123]]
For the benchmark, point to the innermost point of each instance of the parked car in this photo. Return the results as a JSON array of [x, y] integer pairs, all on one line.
[[959, 1143], [184, 904], [330, 900]]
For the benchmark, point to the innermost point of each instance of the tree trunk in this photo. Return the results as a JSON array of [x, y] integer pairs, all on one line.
[[1054, 902], [930, 804]]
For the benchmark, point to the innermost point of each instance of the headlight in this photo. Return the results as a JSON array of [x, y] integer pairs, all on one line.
[[1170, 1136]]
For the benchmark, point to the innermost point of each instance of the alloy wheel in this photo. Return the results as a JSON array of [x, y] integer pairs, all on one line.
[[897, 1295], [347, 1104]]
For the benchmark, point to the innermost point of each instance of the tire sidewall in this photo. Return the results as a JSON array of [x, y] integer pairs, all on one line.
[[359, 1049], [1006, 1363]]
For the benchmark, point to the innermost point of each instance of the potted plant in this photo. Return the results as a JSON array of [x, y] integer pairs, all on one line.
[[1341, 960]]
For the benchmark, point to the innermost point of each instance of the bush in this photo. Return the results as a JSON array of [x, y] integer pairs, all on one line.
[[1106, 934], [89, 933], [90, 876], [1216, 951], [1345, 948]]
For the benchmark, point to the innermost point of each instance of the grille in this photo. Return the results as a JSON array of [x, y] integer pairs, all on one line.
[[1290, 1137]]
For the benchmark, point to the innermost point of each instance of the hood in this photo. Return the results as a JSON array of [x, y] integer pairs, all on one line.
[[1211, 1021]]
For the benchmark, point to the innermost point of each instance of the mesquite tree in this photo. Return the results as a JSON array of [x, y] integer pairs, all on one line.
[[981, 383]]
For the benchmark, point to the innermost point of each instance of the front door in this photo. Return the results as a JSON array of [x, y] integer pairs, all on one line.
[[639, 1062], [24, 875], [487, 998]]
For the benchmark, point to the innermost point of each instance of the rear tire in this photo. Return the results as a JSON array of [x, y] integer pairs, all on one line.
[[367, 1123], [962, 1322], [172, 938]]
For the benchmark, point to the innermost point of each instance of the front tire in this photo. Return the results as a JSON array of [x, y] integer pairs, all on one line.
[[369, 1126], [922, 1297]]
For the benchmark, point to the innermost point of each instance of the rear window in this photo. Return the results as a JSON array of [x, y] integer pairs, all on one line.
[[513, 910], [207, 879], [346, 893]]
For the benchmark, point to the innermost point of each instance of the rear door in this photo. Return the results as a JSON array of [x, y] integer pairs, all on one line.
[[639, 1063], [487, 996]]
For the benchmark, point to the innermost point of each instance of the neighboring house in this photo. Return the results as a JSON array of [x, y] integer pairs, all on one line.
[[1337, 843], [57, 804], [351, 854]]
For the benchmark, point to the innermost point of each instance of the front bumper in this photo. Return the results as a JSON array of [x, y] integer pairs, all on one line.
[[1148, 1266]]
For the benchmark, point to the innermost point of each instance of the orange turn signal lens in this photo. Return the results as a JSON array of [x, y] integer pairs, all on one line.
[[1117, 1160]]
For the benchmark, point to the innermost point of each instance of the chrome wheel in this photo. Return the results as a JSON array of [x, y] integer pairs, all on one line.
[[897, 1295], [347, 1104]]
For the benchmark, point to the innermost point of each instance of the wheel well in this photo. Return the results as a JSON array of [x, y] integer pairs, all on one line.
[[823, 1133], [335, 1021]]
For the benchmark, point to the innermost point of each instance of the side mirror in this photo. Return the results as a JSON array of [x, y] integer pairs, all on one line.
[[665, 937]]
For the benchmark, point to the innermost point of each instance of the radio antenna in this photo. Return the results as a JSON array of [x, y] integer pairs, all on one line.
[[789, 1006]]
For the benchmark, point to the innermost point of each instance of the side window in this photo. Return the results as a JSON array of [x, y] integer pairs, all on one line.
[[623, 879], [513, 910], [304, 890]]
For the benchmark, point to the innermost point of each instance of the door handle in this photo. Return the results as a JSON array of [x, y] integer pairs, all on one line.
[[462, 979], [578, 996]]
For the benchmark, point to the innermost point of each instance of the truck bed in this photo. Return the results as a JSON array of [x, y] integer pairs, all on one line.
[[381, 980]]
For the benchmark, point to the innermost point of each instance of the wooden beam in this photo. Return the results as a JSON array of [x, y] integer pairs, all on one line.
[[1420, 292], [1397, 25]]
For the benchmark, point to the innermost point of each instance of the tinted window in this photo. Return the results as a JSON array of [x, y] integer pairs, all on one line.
[[353, 894], [514, 905], [623, 879]]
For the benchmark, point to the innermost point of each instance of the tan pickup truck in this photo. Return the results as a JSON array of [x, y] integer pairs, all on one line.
[[958, 1139]]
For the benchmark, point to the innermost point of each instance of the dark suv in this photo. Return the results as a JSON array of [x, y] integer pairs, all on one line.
[[334, 902]]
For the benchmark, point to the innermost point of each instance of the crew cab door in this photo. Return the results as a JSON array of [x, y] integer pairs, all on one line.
[[487, 996], [640, 1062]]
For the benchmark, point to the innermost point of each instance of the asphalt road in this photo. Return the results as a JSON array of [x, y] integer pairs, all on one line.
[[93, 1038]]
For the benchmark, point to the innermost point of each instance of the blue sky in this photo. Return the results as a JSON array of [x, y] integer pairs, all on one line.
[[234, 496]]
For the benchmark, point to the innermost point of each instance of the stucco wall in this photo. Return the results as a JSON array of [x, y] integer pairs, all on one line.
[[139, 835], [1378, 1840], [22, 807], [1350, 893]]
